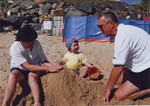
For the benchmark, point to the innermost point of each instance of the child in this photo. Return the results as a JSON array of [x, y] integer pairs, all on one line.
[[75, 60], [28, 60]]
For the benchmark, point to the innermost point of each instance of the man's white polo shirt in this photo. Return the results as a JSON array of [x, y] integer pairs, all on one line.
[[132, 48]]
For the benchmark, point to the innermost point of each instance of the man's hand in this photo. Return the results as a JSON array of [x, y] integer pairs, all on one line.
[[105, 96]]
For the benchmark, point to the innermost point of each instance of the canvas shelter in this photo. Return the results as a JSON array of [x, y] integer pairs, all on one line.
[[84, 28]]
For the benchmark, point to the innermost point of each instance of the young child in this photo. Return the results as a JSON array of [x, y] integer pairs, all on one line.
[[27, 61], [75, 60]]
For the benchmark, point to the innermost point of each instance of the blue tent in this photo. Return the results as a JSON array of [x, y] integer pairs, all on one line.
[[85, 28], [139, 23], [131, 1]]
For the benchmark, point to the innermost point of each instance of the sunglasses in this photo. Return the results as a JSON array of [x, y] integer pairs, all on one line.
[[102, 26]]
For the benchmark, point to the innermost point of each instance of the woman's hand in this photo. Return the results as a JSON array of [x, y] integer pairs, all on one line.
[[54, 68]]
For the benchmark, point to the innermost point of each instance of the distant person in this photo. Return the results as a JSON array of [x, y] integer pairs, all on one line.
[[131, 71], [4, 24], [75, 60], [107, 9], [27, 61]]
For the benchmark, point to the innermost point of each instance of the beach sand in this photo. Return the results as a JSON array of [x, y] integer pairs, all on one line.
[[63, 88]]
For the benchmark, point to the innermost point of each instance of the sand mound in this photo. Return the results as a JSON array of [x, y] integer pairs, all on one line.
[[70, 90]]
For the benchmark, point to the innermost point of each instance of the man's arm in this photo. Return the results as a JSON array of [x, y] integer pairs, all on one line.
[[114, 76]]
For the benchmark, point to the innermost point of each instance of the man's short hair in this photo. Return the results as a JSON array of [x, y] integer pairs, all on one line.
[[110, 16], [26, 34]]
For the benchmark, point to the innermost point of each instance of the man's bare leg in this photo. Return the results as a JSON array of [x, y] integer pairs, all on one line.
[[125, 90], [140, 94]]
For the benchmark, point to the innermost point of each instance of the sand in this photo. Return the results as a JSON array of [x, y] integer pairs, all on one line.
[[63, 88]]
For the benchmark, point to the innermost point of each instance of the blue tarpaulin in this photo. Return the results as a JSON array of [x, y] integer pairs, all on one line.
[[138, 23], [85, 28], [131, 1]]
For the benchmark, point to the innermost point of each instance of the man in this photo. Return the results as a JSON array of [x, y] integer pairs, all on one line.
[[131, 60], [27, 61]]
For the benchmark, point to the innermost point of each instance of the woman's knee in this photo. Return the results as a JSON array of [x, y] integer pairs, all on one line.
[[12, 77], [16, 76], [32, 78]]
